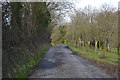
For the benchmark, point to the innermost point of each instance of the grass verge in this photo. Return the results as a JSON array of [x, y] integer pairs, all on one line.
[[106, 60], [100, 55], [25, 69]]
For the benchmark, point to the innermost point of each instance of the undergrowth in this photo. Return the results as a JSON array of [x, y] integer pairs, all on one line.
[[25, 69]]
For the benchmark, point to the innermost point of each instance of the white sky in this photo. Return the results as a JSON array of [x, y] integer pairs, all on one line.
[[93, 3], [96, 3]]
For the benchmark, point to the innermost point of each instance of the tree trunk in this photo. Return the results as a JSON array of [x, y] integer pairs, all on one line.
[[108, 47], [95, 46], [99, 44], [105, 46], [118, 52], [88, 43]]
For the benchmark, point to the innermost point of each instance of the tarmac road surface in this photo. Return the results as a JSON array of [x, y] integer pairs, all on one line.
[[61, 62]]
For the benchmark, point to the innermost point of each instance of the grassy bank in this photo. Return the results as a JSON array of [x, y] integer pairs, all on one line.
[[25, 69], [103, 59], [99, 56]]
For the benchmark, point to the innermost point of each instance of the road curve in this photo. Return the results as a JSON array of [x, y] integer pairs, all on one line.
[[60, 62]]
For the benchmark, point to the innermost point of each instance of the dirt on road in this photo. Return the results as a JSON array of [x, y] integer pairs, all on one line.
[[61, 62]]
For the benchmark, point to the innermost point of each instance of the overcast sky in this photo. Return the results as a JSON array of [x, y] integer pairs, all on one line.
[[96, 3]]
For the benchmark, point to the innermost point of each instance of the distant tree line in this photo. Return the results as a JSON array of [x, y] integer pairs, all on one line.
[[90, 26]]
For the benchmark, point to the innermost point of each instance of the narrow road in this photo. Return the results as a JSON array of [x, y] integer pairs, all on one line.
[[60, 62]]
